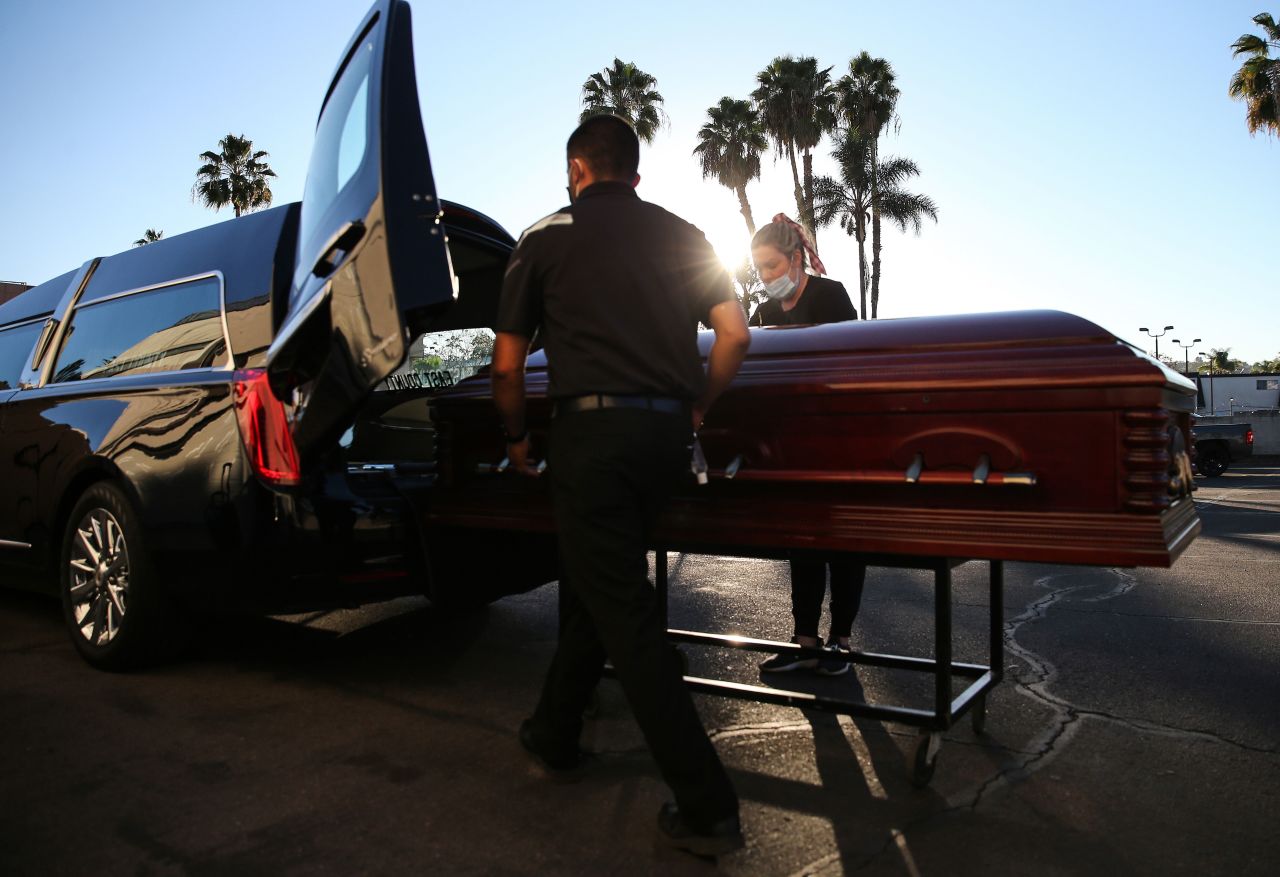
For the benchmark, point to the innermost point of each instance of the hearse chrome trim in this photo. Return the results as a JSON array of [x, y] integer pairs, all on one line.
[[142, 378], [51, 340], [8, 543], [18, 324]]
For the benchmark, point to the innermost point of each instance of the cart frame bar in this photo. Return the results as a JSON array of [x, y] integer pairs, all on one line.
[[946, 709]]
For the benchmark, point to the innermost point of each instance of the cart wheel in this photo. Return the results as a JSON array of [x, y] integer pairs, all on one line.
[[925, 759], [979, 715]]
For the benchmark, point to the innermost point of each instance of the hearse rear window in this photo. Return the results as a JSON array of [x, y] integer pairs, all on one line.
[[15, 346], [168, 329]]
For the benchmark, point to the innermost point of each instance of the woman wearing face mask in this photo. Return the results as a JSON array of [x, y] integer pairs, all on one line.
[[781, 253]]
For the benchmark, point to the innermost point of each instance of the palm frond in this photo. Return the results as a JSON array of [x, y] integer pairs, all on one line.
[[1268, 24], [626, 91], [905, 209], [234, 176]]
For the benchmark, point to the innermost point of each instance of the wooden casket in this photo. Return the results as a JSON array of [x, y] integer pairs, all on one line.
[[1030, 436]]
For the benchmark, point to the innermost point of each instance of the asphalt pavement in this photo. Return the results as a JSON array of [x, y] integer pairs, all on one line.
[[1137, 731]]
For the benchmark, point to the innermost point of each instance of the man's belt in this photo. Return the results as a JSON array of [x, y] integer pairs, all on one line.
[[595, 401]]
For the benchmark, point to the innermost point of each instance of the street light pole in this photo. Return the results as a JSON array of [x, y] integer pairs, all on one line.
[[1186, 355], [1211, 406], [1157, 336]]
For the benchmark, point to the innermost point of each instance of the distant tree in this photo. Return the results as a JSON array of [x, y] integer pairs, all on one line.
[[235, 175], [1220, 362], [849, 200], [868, 98], [150, 236], [1268, 365], [748, 280], [626, 91], [729, 146], [1257, 82], [797, 105], [482, 344]]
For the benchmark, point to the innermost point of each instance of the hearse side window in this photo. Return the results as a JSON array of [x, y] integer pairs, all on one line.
[[441, 359], [168, 329], [461, 342], [15, 346]]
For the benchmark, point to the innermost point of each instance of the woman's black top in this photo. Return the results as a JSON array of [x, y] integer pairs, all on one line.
[[824, 301]]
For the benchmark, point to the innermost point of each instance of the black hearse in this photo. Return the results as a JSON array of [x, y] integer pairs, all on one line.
[[151, 469]]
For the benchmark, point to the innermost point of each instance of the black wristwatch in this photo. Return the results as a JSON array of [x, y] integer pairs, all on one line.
[[515, 439]]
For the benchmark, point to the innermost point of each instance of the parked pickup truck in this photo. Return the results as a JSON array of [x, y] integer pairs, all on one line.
[[1220, 444]]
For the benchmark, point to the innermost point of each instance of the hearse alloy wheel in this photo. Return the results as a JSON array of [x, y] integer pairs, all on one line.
[[116, 611], [99, 571]]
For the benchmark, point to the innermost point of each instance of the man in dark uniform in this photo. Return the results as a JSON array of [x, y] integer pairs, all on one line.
[[616, 287]]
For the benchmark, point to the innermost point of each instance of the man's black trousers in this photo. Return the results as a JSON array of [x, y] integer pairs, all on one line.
[[611, 472]]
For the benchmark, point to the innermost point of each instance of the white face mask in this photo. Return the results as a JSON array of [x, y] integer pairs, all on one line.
[[780, 287]]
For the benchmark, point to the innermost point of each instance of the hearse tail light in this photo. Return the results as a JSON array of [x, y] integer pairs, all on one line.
[[1248, 437], [264, 429]]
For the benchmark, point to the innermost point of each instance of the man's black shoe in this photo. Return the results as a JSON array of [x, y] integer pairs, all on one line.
[[561, 768], [723, 837]]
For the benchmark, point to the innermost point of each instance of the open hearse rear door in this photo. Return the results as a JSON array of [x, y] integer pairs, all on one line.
[[372, 264]]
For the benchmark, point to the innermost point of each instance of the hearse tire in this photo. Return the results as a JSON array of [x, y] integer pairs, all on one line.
[[116, 610], [1211, 461]]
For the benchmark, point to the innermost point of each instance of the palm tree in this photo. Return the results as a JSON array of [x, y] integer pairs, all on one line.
[[626, 91], [797, 106], [868, 97], [729, 146], [851, 201], [1220, 361], [752, 289], [150, 236], [235, 175], [1257, 82]]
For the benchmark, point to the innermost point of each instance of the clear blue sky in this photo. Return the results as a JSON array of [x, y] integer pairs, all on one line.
[[1083, 156]]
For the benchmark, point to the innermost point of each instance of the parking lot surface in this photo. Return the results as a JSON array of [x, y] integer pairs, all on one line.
[[1137, 731]]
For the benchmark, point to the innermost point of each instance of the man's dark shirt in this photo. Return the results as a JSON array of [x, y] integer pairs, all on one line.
[[617, 286], [823, 301]]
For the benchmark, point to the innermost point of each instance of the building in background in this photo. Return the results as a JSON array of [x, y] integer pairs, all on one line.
[[10, 289], [1227, 393]]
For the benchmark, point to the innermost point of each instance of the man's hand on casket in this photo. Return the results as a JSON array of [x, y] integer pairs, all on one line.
[[518, 458]]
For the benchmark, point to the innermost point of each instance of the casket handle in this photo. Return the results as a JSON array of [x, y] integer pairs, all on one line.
[[732, 469], [983, 471], [936, 477], [502, 466], [914, 470]]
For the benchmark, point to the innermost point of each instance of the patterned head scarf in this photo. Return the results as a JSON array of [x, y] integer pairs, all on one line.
[[814, 261]]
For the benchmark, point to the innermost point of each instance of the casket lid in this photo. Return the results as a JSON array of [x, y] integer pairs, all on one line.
[[1022, 347]]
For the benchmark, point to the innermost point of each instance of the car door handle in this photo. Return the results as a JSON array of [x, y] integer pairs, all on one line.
[[340, 244]]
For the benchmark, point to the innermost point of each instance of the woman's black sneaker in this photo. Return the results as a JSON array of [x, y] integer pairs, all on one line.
[[839, 662], [788, 661]]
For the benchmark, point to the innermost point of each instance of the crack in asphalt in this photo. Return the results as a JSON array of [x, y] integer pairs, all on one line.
[[1171, 617], [1067, 718]]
